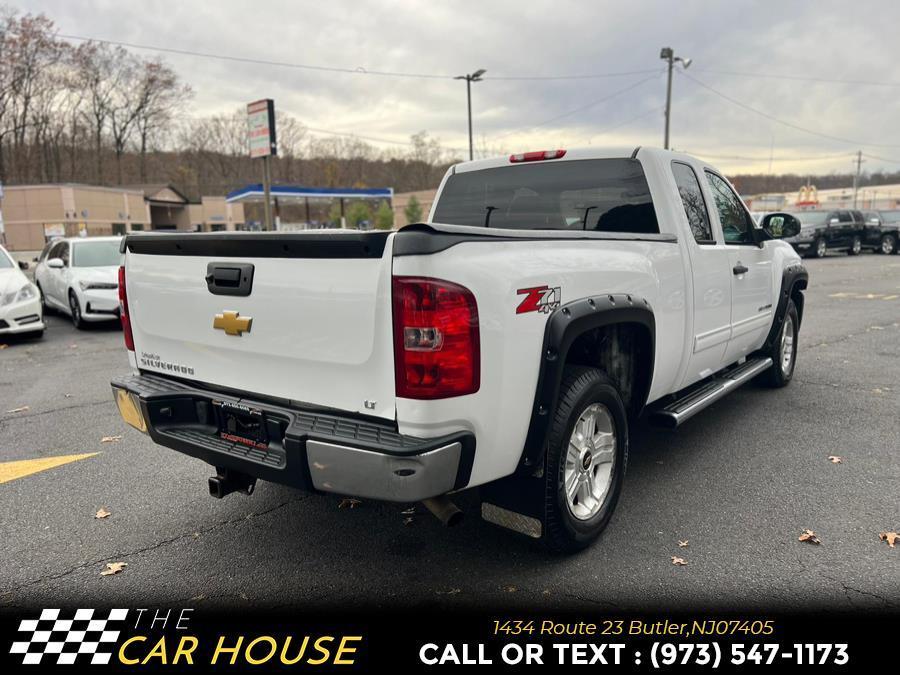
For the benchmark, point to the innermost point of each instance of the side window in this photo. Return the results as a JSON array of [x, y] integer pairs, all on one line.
[[55, 250], [845, 217], [64, 252], [737, 226], [693, 202]]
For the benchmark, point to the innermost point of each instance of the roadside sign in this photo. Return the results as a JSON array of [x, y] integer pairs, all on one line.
[[261, 128]]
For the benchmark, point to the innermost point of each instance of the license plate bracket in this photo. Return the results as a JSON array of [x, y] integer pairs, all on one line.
[[241, 424]]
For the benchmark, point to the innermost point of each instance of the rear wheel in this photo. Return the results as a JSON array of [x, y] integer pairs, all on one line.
[[855, 246], [586, 459], [888, 244], [820, 248], [784, 350], [75, 310]]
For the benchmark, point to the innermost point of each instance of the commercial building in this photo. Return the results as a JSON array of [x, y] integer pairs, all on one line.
[[33, 214], [401, 201], [874, 197]]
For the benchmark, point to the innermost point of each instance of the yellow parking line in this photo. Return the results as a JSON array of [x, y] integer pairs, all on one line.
[[25, 467]]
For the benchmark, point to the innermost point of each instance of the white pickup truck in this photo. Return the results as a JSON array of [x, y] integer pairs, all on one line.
[[508, 343]]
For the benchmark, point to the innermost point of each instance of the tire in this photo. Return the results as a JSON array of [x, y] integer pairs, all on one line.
[[820, 249], [855, 246], [782, 370], [888, 244], [75, 310], [585, 394]]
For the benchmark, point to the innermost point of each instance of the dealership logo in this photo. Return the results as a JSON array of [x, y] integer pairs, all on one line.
[[89, 636]]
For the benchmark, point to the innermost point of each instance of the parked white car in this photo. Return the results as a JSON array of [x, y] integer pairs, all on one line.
[[20, 302], [79, 276]]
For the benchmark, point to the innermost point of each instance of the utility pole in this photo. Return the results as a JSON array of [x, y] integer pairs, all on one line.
[[267, 192], [470, 78], [668, 54], [859, 161]]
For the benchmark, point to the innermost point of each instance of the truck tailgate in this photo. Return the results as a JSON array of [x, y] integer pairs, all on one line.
[[319, 308]]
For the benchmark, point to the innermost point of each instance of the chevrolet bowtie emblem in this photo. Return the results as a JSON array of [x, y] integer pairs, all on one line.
[[232, 324]]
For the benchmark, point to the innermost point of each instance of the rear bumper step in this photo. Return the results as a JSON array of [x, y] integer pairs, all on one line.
[[305, 449], [696, 399]]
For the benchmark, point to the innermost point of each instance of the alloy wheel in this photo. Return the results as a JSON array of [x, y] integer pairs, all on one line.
[[588, 472], [786, 349]]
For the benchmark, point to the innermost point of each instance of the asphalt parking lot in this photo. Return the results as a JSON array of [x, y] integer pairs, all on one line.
[[739, 483]]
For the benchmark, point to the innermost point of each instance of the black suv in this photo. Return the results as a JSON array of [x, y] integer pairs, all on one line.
[[882, 231], [824, 230]]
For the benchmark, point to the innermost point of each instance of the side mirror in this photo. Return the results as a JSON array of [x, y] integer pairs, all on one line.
[[56, 263], [23, 265], [780, 225]]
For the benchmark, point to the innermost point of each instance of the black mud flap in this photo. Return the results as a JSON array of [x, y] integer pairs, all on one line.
[[516, 503]]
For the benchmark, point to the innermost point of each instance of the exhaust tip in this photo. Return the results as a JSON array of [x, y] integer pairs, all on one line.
[[444, 510]]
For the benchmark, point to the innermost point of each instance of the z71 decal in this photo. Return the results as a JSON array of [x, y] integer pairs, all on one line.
[[538, 299]]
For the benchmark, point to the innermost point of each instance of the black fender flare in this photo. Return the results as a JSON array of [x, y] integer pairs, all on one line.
[[794, 278], [564, 326]]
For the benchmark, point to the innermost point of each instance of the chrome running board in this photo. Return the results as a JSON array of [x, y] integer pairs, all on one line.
[[694, 400]]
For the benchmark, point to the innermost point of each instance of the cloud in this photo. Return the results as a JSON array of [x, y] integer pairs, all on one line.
[[834, 40]]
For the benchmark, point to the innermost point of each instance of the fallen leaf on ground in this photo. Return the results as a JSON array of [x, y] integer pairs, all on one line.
[[349, 503], [113, 568], [683, 544], [809, 536], [890, 537], [3, 346], [678, 561], [452, 591], [510, 589], [73, 346], [102, 513], [408, 512], [19, 409], [835, 459], [408, 521], [110, 439]]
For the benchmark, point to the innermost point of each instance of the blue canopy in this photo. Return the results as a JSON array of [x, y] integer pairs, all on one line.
[[255, 191]]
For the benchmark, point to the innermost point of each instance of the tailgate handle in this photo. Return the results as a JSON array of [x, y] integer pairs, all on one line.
[[229, 278]]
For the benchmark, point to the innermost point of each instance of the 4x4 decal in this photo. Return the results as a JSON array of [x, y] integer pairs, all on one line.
[[538, 299]]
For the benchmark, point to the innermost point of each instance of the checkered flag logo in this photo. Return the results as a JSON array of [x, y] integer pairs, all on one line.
[[65, 640]]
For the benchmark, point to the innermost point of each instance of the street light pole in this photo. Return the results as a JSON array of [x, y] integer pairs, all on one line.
[[470, 78], [668, 54]]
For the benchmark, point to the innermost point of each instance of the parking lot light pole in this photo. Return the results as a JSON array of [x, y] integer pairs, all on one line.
[[668, 54], [472, 77]]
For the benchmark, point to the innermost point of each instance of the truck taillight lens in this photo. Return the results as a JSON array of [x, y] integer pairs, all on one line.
[[436, 347], [123, 311]]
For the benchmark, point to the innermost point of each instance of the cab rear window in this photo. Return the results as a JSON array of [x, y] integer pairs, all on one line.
[[596, 195]]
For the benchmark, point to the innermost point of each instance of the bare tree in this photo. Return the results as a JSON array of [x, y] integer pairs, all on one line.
[[162, 96], [100, 67]]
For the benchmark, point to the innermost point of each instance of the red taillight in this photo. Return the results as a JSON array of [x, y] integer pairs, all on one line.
[[537, 156], [436, 347], [123, 311]]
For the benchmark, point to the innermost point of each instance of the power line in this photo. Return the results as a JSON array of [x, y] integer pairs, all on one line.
[[767, 158], [586, 76], [799, 78], [581, 108], [642, 115], [359, 70], [784, 122]]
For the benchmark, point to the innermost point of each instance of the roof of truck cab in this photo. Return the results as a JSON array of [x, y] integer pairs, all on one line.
[[574, 154]]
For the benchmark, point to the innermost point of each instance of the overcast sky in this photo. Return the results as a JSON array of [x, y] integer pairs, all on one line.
[[535, 38]]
